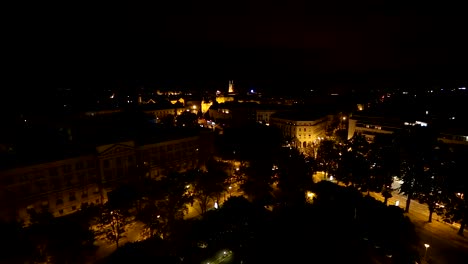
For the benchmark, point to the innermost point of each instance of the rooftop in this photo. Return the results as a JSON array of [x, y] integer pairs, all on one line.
[[300, 115], [81, 137]]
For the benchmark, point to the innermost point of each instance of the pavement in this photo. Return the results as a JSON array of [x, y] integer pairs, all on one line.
[[105, 248], [134, 229], [194, 210], [222, 256], [445, 246]]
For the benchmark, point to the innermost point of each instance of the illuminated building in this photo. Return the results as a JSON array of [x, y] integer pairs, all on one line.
[[265, 111], [454, 136], [370, 126], [231, 87], [63, 186], [300, 128]]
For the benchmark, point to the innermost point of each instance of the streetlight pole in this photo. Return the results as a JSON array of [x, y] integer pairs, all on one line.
[[425, 252]]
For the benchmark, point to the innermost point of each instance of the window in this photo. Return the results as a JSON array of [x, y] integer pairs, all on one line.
[[38, 176], [107, 175], [118, 161], [61, 211], [79, 165], [91, 164], [106, 164], [66, 168], [92, 177], [40, 185], [72, 197], [73, 208], [82, 177], [68, 179], [59, 201], [24, 178], [53, 172], [45, 204]]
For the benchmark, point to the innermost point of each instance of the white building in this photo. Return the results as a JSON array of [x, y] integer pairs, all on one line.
[[303, 129]]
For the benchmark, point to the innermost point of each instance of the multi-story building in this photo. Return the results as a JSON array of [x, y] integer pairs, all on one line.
[[370, 126], [264, 112], [63, 186], [60, 186], [301, 128], [234, 113], [158, 112], [161, 112], [454, 136]]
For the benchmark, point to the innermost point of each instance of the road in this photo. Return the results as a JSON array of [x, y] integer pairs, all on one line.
[[222, 256], [105, 248], [134, 230], [445, 246], [195, 209]]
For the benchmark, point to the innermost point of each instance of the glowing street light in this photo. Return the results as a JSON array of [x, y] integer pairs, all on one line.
[[425, 252]]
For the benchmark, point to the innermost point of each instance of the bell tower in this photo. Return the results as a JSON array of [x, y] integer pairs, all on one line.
[[231, 86]]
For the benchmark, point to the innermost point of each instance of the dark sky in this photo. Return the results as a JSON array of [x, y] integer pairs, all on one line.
[[256, 40]]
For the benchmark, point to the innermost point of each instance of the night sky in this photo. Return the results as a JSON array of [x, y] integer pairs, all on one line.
[[262, 42]]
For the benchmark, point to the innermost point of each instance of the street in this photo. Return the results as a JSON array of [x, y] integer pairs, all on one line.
[[445, 246], [134, 230]]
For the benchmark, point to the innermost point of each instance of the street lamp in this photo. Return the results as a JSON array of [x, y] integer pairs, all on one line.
[[425, 252]]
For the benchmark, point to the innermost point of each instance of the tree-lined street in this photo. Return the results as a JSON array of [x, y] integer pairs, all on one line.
[[445, 245]]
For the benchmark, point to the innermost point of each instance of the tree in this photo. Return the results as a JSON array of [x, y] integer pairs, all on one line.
[[112, 223], [327, 156], [41, 225], [163, 202], [294, 175], [359, 145], [456, 207], [384, 160], [412, 174], [434, 190], [187, 119], [360, 173], [417, 147], [14, 244], [70, 239], [149, 213], [60, 240], [257, 185], [353, 164], [168, 120], [209, 185]]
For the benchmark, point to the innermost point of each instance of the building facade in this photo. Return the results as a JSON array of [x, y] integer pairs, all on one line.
[[370, 126], [64, 186], [301, 129]]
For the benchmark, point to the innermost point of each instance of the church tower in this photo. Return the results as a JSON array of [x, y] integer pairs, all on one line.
[[231, 86]]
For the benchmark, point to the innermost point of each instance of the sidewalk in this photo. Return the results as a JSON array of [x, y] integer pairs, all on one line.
[[445, 246]]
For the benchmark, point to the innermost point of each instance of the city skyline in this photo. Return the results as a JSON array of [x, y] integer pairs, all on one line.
[[266, 44]]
